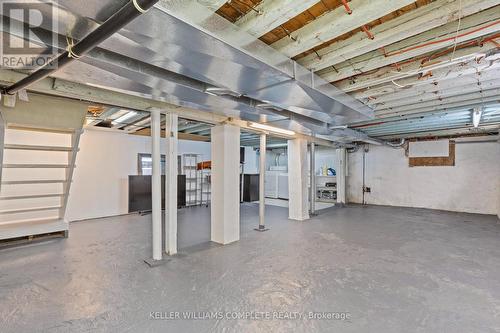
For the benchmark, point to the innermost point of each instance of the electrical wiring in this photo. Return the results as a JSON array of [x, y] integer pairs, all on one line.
[[458, 28]]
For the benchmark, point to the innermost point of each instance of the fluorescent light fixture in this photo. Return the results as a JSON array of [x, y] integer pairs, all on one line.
[[216, 91], [124, 118], [89, 121], [271, 129], [476, 116]]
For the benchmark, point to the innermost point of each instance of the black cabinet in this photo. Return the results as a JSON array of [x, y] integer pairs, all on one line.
[[250, 188], [181, 191], [139, 193]]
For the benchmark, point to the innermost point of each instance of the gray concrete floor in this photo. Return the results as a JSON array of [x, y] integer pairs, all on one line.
[[392, 269]]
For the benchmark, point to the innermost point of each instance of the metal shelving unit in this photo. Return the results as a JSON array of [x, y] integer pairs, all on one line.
[[206, 186], [189, 165], [326, 193]]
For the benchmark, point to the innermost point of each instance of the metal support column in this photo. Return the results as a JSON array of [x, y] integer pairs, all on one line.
[[262, 175], [341, 176], [171, 184], [156, 184], [312, 170]]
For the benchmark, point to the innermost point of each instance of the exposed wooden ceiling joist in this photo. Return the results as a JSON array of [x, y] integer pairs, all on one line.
[[440, 95], [193, 137], [491, 95], [270, 14], [472, 28], [189, 125], [406, 74], [377, 54], [464, 131], [472, 82], [181, 136], [212, 4], [336, 23], [407, 25], [196, 129]]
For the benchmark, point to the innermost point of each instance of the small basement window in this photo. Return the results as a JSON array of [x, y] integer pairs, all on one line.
[[145, 164]]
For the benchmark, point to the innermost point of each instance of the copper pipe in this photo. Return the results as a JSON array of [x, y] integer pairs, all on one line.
[[364, 28], [442, 40], [346, 6], [367, 32], [382, 50]]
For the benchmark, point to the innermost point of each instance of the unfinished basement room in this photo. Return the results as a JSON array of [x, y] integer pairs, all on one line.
[[250, 166]]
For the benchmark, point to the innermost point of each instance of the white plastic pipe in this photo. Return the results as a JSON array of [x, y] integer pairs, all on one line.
[[156, 184]]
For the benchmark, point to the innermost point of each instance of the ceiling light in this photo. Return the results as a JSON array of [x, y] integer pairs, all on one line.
[[216, 91], [271, 129], [476, 116], [124, 118]]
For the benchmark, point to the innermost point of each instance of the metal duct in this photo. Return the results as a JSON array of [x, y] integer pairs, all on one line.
[[116, 22], [184, 54], [400, 144]]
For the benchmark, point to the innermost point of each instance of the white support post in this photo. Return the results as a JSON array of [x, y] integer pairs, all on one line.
[[156, 184], [262, 176], [341, 175], [171, 184], [297, 180], [225, 203], [312, 182]]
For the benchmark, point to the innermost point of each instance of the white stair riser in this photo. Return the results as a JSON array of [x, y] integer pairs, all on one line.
[[37, 138], [49, 214], [16, 190], [24, 174], [15, 230], [34, 157]]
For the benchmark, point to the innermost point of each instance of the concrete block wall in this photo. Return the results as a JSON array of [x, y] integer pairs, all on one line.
[[472, 185]]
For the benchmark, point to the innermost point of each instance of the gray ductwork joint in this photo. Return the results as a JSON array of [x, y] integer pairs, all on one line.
[[396, 145]]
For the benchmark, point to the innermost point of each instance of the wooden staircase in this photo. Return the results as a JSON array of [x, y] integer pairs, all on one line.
[[38, 148], [37, 170]]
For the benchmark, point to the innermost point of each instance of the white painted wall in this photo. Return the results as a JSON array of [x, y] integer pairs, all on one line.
[[105, 160], [472, 185]]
